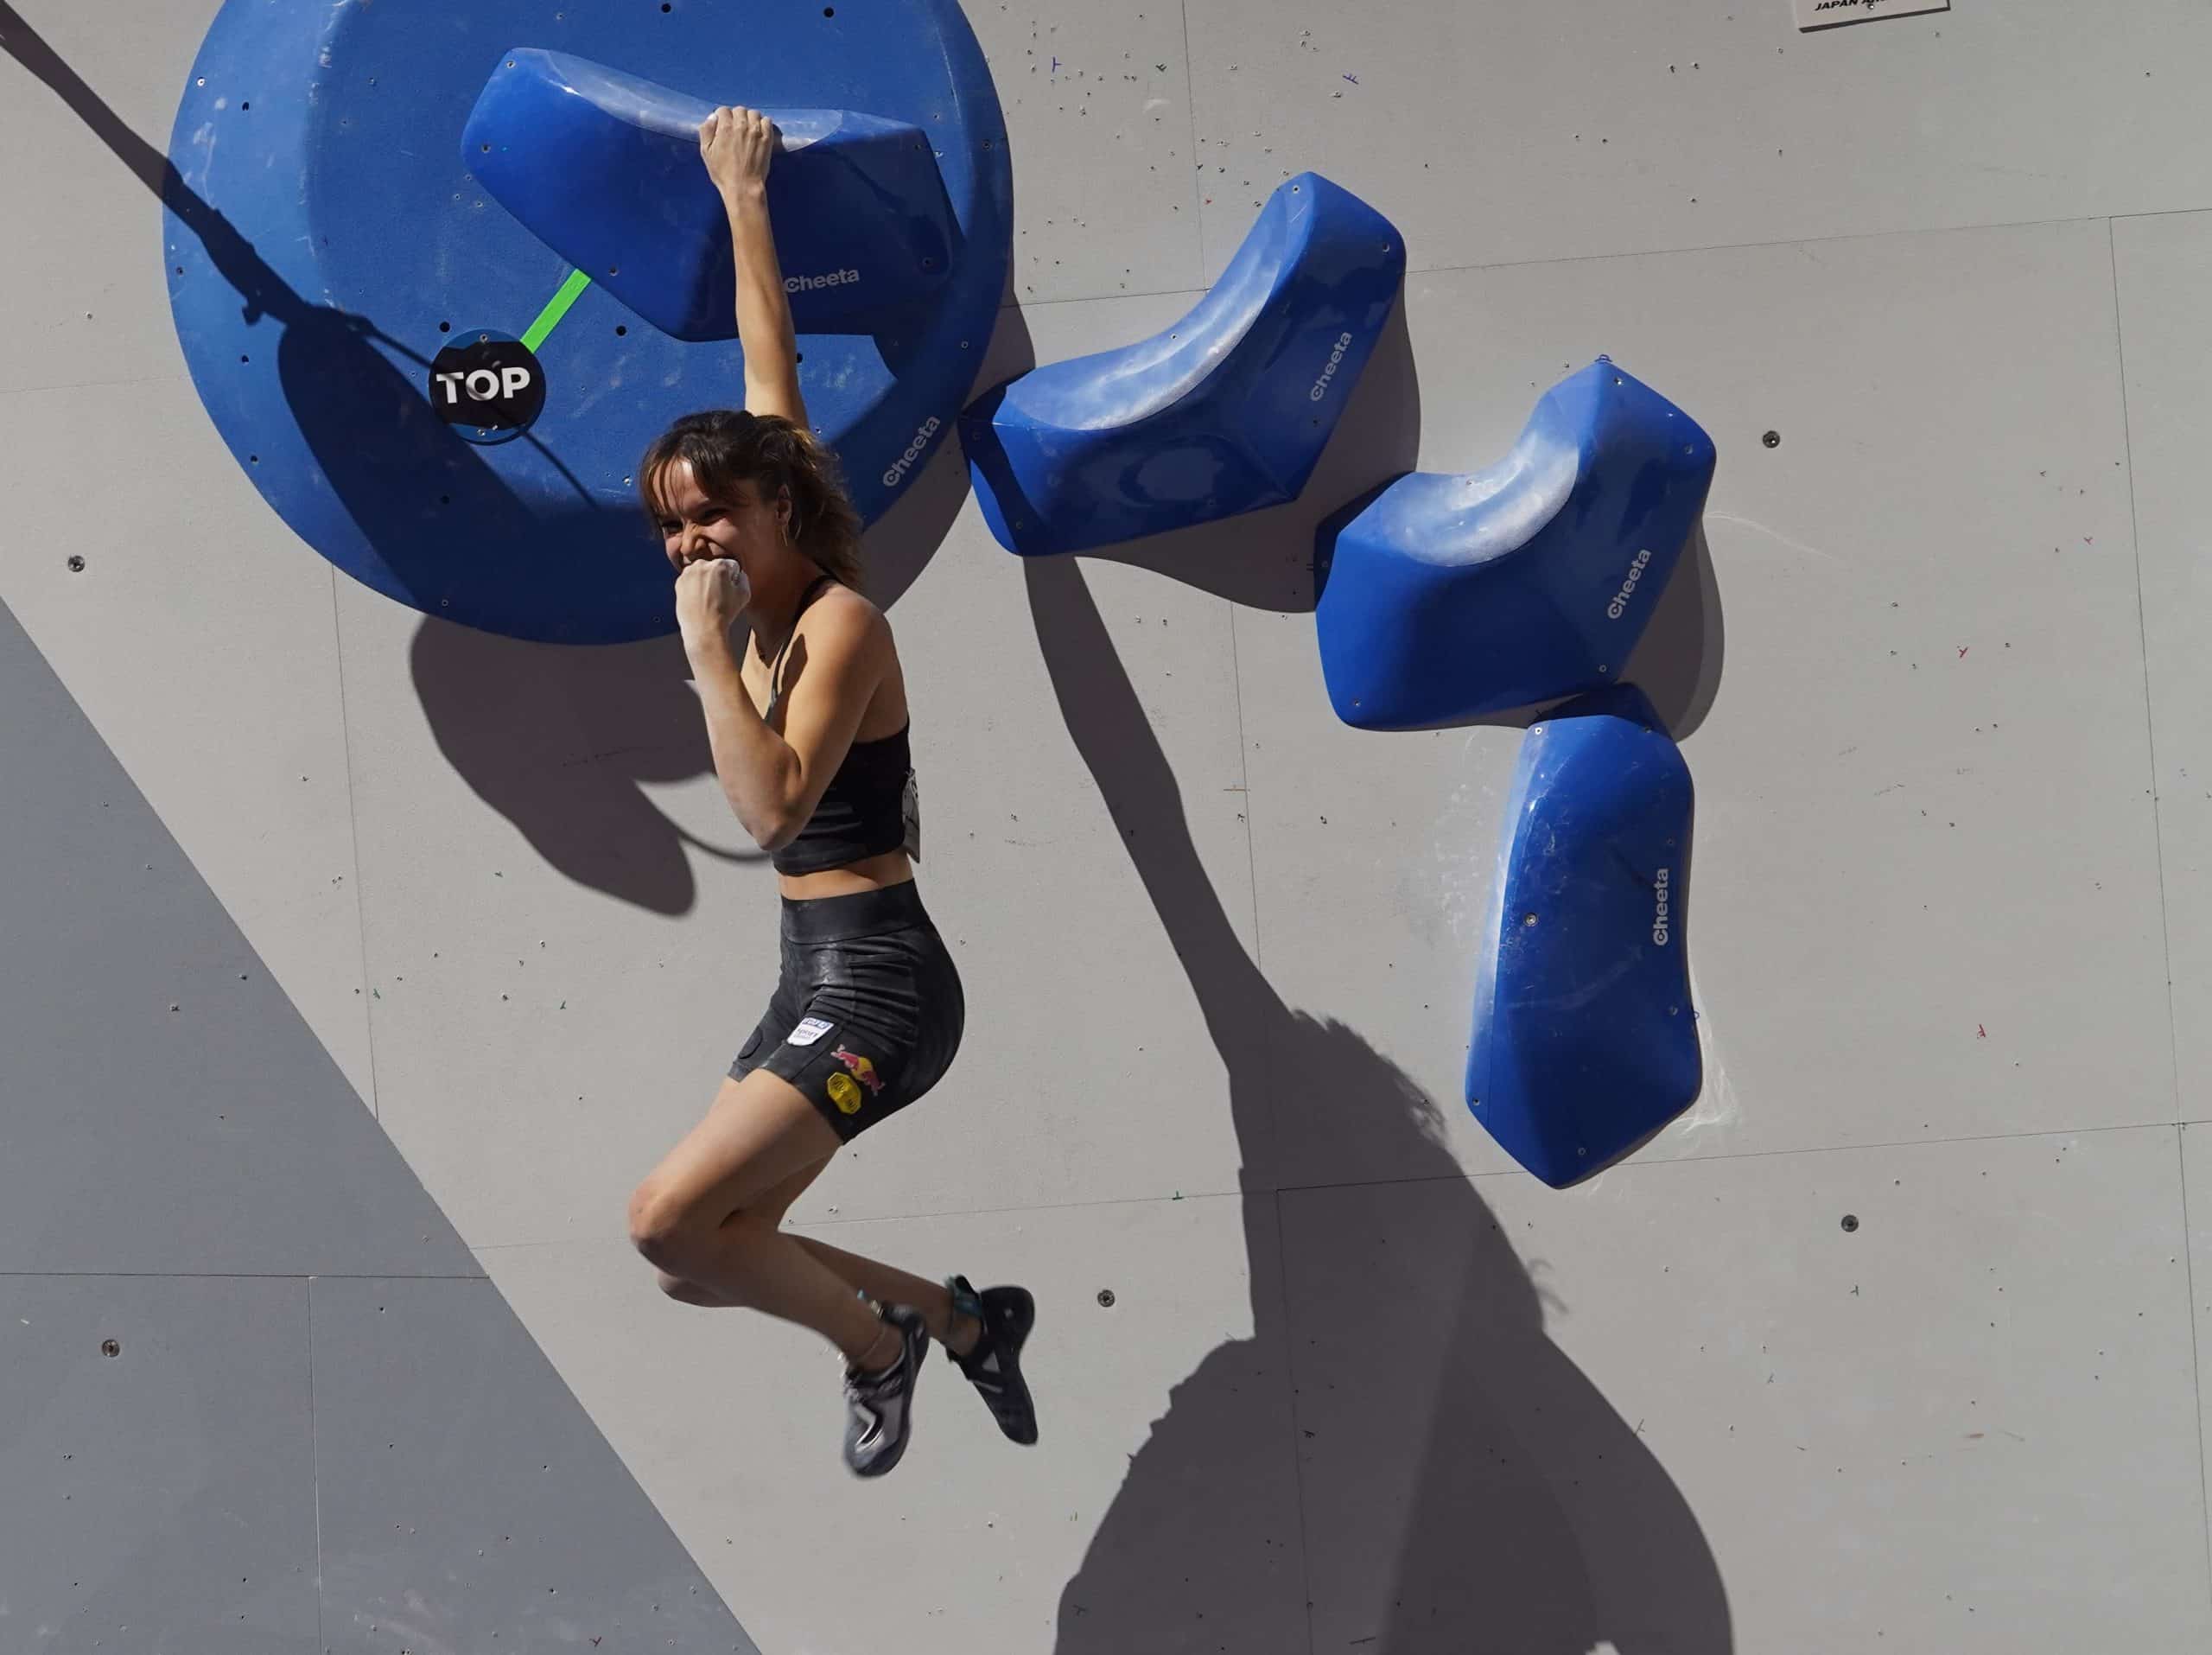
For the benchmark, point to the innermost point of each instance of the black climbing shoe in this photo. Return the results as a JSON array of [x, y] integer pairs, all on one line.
[[993, 1367], [882, 1404]]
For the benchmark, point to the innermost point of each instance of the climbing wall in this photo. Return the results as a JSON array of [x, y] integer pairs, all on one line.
[[1889, 1342]]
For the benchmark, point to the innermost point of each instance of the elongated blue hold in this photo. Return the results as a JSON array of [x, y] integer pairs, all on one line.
[[1224, 412], [1584, 1043], [1447, 597], [604, 168]]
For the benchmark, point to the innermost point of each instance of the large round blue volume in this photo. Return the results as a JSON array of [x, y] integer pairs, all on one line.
[[1225, 412], [327, 237], [1584, 1043], [1447, 597], [604, 168]]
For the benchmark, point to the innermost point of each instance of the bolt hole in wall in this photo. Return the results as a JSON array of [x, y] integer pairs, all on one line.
[[1106, 1297], [1850, 1222], [1772, 439]]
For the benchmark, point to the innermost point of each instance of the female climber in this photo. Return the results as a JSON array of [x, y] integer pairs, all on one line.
[[808, 724]]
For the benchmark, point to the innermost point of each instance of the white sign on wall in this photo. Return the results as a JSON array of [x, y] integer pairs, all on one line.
[[1826, 13]]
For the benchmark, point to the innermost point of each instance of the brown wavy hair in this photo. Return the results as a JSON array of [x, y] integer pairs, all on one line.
[[726, 446]]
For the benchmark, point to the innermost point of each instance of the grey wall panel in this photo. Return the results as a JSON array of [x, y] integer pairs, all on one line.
[[465, 1501], [161, 1498], [83, 279], [1683, 1408], [197, 634], [2197, 1198], [1583, 128], [167, 1109], [170, 1130], [198, 637], [1097, 102]]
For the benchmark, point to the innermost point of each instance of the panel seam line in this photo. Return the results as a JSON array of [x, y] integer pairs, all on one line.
[[1414, 270], [2165, 919], [354, 831]]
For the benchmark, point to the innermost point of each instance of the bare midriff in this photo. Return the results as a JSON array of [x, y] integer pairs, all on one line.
[[872, 873]]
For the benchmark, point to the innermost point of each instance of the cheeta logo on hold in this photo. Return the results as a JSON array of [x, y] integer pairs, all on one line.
[[808, 283], [1335, 360], [1619, 607], [1660, 926], [905, 463]]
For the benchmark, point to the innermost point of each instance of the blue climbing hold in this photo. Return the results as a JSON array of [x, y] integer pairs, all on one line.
[[1447, 597], [1584, 1043], [1225, 412], [604, 168], [330, 243]]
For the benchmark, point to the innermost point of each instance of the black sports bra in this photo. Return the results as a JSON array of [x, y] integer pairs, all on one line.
[[865, 810]]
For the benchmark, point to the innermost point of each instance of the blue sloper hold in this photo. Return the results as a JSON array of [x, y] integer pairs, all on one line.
[[604, 168], [1584, 1043], [1225, 412], [1447, 597]]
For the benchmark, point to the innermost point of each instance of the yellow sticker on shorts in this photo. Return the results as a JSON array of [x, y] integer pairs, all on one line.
[[845, 1092]]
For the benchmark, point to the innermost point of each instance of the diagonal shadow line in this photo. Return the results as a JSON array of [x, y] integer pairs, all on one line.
[[264, 292]]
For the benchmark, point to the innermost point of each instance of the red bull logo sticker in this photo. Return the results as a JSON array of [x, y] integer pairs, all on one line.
[[862, 1069]]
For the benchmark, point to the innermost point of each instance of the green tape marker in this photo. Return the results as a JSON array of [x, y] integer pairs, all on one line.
[[550, 318]]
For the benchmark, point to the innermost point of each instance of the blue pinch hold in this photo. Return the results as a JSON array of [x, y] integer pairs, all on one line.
[[1225, 412], [1584, 1040], [604, 168], [1447, 597]]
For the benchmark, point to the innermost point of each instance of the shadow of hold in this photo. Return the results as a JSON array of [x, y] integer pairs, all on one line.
[[1398, 1455], [1679, 661], [901, 544]]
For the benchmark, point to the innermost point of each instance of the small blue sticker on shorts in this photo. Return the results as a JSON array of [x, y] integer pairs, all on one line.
[[809, 1030]]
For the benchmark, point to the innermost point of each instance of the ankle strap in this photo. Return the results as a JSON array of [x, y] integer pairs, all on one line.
[[965, 1300]]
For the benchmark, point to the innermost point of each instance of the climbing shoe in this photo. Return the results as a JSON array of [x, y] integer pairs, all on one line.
[[882, 1404], [994, 1366]]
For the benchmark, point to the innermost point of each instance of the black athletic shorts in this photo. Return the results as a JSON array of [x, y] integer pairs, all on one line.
[[868, 1011]]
